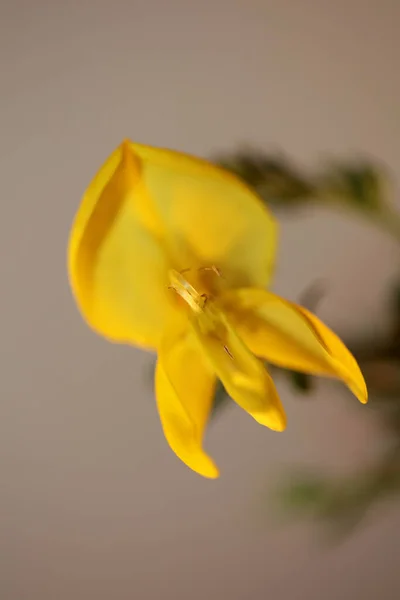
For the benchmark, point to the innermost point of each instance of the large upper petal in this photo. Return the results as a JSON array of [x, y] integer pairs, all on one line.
[[185, 386], [118, 265], [209, 216], [290, 336]]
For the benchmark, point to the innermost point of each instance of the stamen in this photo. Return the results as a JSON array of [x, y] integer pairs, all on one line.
[[205, 298], [212, 268], [228, 352]]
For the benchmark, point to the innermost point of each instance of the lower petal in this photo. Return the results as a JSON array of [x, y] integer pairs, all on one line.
[[243, 375], [185, 387], [290, 336]]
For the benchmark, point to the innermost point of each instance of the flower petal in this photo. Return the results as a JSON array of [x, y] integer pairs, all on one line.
[[242, 374], [290, 336], [117, 268], [185, 387], [210, 216]]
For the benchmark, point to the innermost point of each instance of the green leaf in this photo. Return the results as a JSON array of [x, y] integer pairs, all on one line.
[[360, 185], [272, 177]]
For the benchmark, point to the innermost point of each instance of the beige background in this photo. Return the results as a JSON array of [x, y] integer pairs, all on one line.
[[93, 505]]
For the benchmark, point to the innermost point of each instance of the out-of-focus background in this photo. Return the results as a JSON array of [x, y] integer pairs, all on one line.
[[93, 504]]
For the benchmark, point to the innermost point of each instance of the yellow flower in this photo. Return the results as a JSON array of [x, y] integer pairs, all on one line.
[[173, 254]]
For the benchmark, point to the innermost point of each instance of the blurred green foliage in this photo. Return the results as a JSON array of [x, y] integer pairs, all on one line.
[[274, 179], [341, 503], [361, 187]]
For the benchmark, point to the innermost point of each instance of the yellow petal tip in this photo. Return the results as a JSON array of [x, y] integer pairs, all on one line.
[[129, 160], [274, 419], [203, 465], [361, 393], [277, 422], [356, 383], [212, 473]]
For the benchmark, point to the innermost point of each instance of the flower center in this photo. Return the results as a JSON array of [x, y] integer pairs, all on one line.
[[195, 296], [209, 321]]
